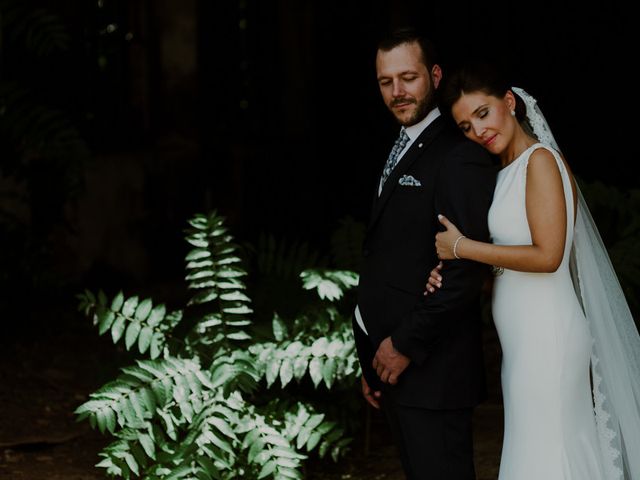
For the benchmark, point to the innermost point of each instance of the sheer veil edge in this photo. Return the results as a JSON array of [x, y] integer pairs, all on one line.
[[615, 355]]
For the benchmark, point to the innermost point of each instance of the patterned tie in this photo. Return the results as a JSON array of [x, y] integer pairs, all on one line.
[[401, 142]]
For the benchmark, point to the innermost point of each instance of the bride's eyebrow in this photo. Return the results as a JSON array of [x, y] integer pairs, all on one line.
[[484, 105]]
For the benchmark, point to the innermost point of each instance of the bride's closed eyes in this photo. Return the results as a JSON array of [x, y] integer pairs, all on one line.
[[481, 112]]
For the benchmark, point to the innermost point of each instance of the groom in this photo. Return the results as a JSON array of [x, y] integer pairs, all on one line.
[[421, 357]]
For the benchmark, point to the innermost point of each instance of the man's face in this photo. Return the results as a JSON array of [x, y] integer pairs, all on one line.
[[407, 87]]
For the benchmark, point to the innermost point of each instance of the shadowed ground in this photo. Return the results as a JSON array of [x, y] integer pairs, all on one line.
[[43, 379]]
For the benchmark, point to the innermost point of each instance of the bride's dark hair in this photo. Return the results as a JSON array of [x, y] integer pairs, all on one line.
[[476, 77]]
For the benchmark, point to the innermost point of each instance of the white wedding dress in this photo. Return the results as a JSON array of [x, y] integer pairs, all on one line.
[[550, 428]]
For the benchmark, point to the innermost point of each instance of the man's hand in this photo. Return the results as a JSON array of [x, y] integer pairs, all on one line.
[[369, 395], [389, 363]]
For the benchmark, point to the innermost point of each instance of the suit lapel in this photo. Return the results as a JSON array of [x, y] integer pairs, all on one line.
[[417, 148]]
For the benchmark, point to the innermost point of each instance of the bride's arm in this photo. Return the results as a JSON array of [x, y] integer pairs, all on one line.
[[546, 215]]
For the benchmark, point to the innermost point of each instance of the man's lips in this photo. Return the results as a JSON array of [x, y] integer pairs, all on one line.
[[401, 105]]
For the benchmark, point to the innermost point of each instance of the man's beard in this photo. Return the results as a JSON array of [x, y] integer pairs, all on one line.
[[423, 107]]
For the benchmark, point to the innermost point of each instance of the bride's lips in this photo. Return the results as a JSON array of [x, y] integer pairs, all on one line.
[[490, 140]]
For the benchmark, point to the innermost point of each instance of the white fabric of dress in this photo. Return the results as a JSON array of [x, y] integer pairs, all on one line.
[[550, 426]]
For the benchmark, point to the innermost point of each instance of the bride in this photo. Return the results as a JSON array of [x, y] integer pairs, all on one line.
[[571, 352]]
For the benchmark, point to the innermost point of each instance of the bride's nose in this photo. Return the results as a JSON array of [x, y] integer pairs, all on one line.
[[478, 130]]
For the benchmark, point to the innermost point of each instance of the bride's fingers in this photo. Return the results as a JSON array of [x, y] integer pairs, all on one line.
[[444, 221]]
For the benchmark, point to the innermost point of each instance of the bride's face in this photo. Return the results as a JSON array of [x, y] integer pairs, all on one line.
[[486, 119]]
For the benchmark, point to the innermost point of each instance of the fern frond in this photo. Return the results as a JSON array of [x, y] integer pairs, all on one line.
[[270, 450], [235, 371], [36, 128], [138, 322], [214, 272], [329, 284], [41, 31], [137, 395], [329, 358]]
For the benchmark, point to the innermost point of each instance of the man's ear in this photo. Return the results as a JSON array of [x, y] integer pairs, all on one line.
[[436, 74]]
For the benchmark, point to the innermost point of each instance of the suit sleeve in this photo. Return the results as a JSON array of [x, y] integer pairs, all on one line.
[[464, 190]]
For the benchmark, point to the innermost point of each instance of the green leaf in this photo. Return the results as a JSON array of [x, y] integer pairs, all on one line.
[[287, 453], [105, 319], [325, 427], [148, 399], [300, 367], [218, 442], [197, 254], [286, 462], [234, 297], [242, 310], [267, 469], [117, 302], [117, 329], [147, 444], [315, 420], [100, 420], [156, 316], [131, 462], [110, 420], [90, 296], [132, 334], [143, 309], [209, 467], [323, 449], [239, 336], [293, 349], [136, 404], [315, 370], [129, 307], [256, 447], [102, 299], [273, 368], [178, 472], [303, 437], [159, 392], [334, 348], [157, 344], [314, 438], [276, 439], [329, 371], [144, 339], [286, 372], [319, 347], [279, 328], [222, 425]]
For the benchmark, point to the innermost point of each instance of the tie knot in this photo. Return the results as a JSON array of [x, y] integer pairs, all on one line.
[[403, 138]]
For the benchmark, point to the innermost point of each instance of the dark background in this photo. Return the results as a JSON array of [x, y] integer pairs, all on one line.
[[121, 119], [265, 110]]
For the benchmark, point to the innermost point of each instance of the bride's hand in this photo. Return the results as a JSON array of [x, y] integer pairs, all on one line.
[[445, 240], [434, 281]]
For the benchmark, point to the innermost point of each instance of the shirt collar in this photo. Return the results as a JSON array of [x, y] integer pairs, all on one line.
[[415, 130]]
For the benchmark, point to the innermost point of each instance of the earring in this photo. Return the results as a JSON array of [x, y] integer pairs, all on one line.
[[513, 113]]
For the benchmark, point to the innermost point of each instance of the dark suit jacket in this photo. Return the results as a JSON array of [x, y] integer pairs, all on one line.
[[441, 333]]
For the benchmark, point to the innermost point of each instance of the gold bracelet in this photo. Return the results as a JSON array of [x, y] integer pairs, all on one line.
[[455, 245]]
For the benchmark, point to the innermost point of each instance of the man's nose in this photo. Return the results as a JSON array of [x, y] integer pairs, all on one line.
[[398, 90]]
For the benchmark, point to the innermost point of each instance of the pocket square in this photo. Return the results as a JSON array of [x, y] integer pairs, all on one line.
[[409, 181]]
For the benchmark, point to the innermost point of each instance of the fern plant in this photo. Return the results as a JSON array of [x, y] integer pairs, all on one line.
[[188, 408]]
